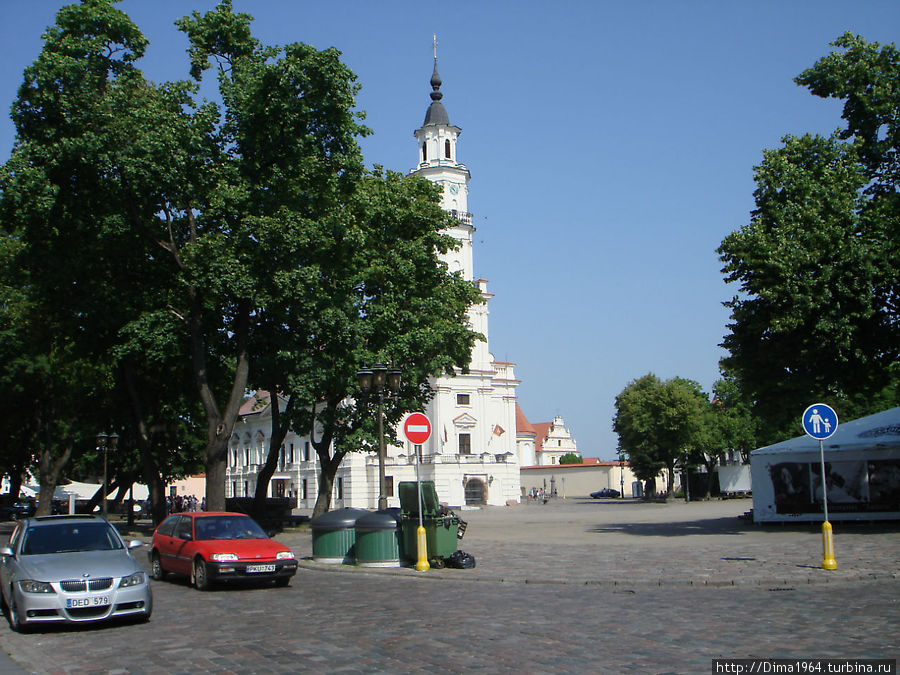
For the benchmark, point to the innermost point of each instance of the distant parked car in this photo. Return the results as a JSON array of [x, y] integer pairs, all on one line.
[[22, 508], [71, 569], [605, 493], [210, 547]]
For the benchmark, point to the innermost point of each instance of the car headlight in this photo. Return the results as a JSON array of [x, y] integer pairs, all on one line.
[[32, 586], [135, 579], [284, 555], [223, 557]]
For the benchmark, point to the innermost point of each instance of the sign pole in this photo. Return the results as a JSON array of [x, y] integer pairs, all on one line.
[[417, 429], [419, 482], [820, 421], [828, 561], [824, 492], [421, 536]]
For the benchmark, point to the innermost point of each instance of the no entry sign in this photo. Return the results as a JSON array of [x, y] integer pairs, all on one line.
[[417, 428]]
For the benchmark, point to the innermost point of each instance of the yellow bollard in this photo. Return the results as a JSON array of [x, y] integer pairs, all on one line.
[[828, 561], [422, 550]]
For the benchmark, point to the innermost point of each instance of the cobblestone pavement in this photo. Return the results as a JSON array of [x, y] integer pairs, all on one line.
[[568, 588]]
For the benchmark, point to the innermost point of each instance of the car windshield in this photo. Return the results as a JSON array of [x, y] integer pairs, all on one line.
[[228, 527], [69, 538]]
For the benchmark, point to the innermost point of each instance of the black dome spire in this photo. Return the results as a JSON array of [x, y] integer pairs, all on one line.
[[436, 113]]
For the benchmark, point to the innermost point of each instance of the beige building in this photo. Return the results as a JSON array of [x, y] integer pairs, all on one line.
[[578, 480]]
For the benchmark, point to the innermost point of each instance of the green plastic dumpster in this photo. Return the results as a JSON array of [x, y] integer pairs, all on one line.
[[334, 535], [378, 540], [441, 530]]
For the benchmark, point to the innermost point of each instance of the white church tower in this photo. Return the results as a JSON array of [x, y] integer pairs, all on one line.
[[471, 455], [474, 414]]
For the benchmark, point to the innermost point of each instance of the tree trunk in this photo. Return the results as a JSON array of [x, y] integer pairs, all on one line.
[[15, 481], [145, 437], [276, 439], [220, 425], [50, 472], [215, 477], [670, 478], [326, 476], [323, 499], [157, 488], [710, 467]]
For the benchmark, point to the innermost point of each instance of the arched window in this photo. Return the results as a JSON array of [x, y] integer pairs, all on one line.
[[424, 153], [447, 149]]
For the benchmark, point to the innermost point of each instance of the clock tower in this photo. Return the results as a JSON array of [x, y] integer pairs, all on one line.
[[437, 162], [473, 458]]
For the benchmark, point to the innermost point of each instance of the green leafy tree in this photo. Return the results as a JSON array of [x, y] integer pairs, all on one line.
[[817, 266], [571, 458], [52, 210], [658, 422], [372, 290]]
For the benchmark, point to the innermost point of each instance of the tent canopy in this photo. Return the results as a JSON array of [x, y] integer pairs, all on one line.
[[881, 430]]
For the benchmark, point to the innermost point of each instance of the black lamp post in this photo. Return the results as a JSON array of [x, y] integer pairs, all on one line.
[[621, 475], [384, 382], [104, 442]]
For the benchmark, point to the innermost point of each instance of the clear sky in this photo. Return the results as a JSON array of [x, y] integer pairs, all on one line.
[[611, 146]]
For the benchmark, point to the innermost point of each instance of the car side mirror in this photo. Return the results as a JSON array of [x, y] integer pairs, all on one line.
[[186, 536], [134, 543], [6, 552]]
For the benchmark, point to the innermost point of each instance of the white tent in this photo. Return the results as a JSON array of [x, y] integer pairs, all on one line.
[[82, 491], [862, 474]]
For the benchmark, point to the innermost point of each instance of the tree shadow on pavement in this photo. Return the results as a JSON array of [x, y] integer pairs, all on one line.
[[733, 525], [730, 525]]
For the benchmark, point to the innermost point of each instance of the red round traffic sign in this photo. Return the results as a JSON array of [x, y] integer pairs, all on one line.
[[417, 428]]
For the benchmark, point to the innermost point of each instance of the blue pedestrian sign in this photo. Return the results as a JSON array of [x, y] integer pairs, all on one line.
[[820, 421]]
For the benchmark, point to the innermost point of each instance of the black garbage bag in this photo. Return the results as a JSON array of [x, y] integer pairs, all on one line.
[[461, 560]]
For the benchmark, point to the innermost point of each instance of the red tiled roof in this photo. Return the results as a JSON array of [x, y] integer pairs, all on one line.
[[523, 426], [255, 403]]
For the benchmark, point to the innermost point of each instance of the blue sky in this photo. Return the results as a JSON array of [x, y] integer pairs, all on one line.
[[611, 146]]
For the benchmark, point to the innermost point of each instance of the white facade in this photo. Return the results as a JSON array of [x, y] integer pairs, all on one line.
[[556, 443], [471, 455]]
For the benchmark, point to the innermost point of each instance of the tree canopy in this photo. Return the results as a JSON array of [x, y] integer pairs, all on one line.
[[818, 265], [658, 422], [175, 253]]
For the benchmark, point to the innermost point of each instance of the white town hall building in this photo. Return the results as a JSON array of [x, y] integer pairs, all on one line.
[[472, 454]]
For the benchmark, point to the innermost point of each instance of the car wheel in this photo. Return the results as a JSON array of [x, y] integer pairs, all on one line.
[[281, 582], [156, 569], [201, 575], [15, 619]]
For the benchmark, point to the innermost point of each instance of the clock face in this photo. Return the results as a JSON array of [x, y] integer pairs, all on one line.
[[454, 188]]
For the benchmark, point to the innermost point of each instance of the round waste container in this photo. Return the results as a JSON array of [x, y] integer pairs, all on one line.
[[378, 540], [334, 535]]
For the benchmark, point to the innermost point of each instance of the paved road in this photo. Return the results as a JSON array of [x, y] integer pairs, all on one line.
[[576, 607]]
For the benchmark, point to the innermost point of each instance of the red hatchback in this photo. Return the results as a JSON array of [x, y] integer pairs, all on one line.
[[213, 547]]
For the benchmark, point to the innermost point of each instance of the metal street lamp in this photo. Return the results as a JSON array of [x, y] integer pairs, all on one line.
[[621, 475], [104, 442], [384, 382]]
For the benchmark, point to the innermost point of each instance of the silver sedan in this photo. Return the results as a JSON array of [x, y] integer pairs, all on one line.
[[71, 569]]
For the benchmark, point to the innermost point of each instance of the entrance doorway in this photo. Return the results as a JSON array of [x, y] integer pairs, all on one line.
[[475, 492]]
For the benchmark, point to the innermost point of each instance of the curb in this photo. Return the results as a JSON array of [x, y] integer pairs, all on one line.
[[775, 583]]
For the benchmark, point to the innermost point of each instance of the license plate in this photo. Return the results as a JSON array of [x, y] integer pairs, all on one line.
[[95, 601], [260, 568]]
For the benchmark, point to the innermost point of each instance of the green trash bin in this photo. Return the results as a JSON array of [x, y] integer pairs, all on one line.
[[378, 540], [441, 530], [334, 535]]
